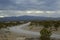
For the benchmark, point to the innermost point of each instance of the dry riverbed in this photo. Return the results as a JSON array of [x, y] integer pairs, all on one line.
[[38, 29]]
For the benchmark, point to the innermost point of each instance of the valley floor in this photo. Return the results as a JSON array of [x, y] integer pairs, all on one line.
[[6, 35]]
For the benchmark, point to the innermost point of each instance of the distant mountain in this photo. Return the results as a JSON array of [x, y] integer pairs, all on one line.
[[27, 18]]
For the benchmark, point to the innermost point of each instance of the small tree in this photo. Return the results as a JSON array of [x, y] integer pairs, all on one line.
[[56, 25], [45, 34]]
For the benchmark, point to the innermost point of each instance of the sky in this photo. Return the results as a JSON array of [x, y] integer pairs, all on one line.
[[14, 7]]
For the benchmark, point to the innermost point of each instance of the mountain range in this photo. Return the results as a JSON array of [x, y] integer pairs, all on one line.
[[27, 18]]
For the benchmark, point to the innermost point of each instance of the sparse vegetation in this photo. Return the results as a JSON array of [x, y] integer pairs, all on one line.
[[46, 32], [9, 24]]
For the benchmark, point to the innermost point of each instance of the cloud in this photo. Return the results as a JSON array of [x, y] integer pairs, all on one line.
[[58, 4], [30, 4], [12, 7], [6, 13]]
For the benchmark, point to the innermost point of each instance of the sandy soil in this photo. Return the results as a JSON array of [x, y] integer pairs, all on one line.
[[5, 35], [38, 28]]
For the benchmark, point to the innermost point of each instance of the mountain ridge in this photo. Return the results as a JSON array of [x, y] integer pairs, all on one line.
[[27, 18]]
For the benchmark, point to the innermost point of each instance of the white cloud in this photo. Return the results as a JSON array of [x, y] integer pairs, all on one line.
[[32, 12], [39, 11], [1, 16], [50, 12]]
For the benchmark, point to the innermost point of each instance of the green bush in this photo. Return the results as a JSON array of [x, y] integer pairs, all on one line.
[[45, 34]]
